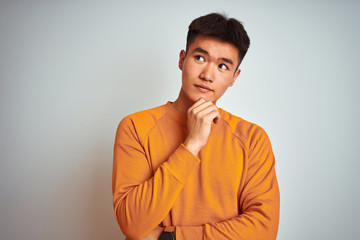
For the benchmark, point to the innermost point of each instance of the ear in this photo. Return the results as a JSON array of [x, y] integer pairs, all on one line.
[[236, 74], [182, 56]]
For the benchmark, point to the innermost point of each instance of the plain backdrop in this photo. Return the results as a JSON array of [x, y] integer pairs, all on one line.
[[71, 70]]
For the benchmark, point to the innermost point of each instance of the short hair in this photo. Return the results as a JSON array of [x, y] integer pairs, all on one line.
[[219, 26]]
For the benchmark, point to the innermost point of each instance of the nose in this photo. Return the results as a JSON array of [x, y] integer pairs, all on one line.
[[207, 73]]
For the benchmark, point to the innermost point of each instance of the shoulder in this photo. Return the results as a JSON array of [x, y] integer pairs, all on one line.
[[140, 123], [250, 134], [147, 117]]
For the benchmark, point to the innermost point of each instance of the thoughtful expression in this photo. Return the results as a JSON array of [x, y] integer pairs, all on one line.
[[208, 68]]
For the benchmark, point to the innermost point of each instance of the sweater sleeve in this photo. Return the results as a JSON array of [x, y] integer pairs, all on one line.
[[141, 198], [259, 203]]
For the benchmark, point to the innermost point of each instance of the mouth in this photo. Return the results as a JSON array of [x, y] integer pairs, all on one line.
[[203, 88]]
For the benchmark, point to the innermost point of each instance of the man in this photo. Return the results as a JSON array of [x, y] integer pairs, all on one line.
[[188, 169]]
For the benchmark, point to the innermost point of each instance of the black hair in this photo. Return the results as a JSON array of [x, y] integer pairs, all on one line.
[[219, 26]]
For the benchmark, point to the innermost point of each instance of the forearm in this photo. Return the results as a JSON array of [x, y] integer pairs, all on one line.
[[259, 221], [140, 207], [242, 227]]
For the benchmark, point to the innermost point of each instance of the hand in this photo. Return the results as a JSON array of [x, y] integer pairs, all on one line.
[[154, 234], [200, 116]]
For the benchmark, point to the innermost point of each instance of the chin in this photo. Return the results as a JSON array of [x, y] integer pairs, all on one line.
[[194, 96], [197, 98]]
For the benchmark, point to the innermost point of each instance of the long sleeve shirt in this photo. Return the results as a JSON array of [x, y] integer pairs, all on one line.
[[228, 191]]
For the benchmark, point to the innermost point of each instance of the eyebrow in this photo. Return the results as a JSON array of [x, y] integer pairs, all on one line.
[[199, 49]]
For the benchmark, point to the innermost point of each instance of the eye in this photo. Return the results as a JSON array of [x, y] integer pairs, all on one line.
[[200, 58], [223, 66]]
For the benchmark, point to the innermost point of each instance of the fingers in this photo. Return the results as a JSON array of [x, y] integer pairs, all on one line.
[[205, 110], [196, 104]]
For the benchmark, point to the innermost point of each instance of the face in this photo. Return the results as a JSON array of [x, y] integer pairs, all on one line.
[[208, 69]]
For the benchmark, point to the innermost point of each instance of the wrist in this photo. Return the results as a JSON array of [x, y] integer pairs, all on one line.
[[192, 146]]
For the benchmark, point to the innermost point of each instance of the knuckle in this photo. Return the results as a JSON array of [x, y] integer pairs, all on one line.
[[203, 120], [207, 118], [191, 111]]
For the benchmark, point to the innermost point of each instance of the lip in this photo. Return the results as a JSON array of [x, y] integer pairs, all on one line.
[[203, 88]]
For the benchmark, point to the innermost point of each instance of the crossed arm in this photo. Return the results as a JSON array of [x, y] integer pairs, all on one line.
[[142, 201]]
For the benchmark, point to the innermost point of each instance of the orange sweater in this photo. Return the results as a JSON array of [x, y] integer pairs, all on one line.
[[228, 191]]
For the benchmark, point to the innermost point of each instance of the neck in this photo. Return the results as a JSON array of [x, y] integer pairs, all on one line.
[[182, 103]]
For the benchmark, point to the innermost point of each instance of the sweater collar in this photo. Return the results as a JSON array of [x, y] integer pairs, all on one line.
[[179, 116], [175, 114]]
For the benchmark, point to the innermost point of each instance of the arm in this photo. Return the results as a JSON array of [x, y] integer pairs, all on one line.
[[142, 199], [258, 203], [153, 235]]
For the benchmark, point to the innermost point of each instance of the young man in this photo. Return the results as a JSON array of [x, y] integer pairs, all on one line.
[[190, 167]]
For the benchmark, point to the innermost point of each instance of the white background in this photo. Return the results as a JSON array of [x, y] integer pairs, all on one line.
[[71, 70]]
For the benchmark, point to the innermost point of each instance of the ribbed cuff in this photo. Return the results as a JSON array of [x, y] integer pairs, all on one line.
[[181, 163]]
